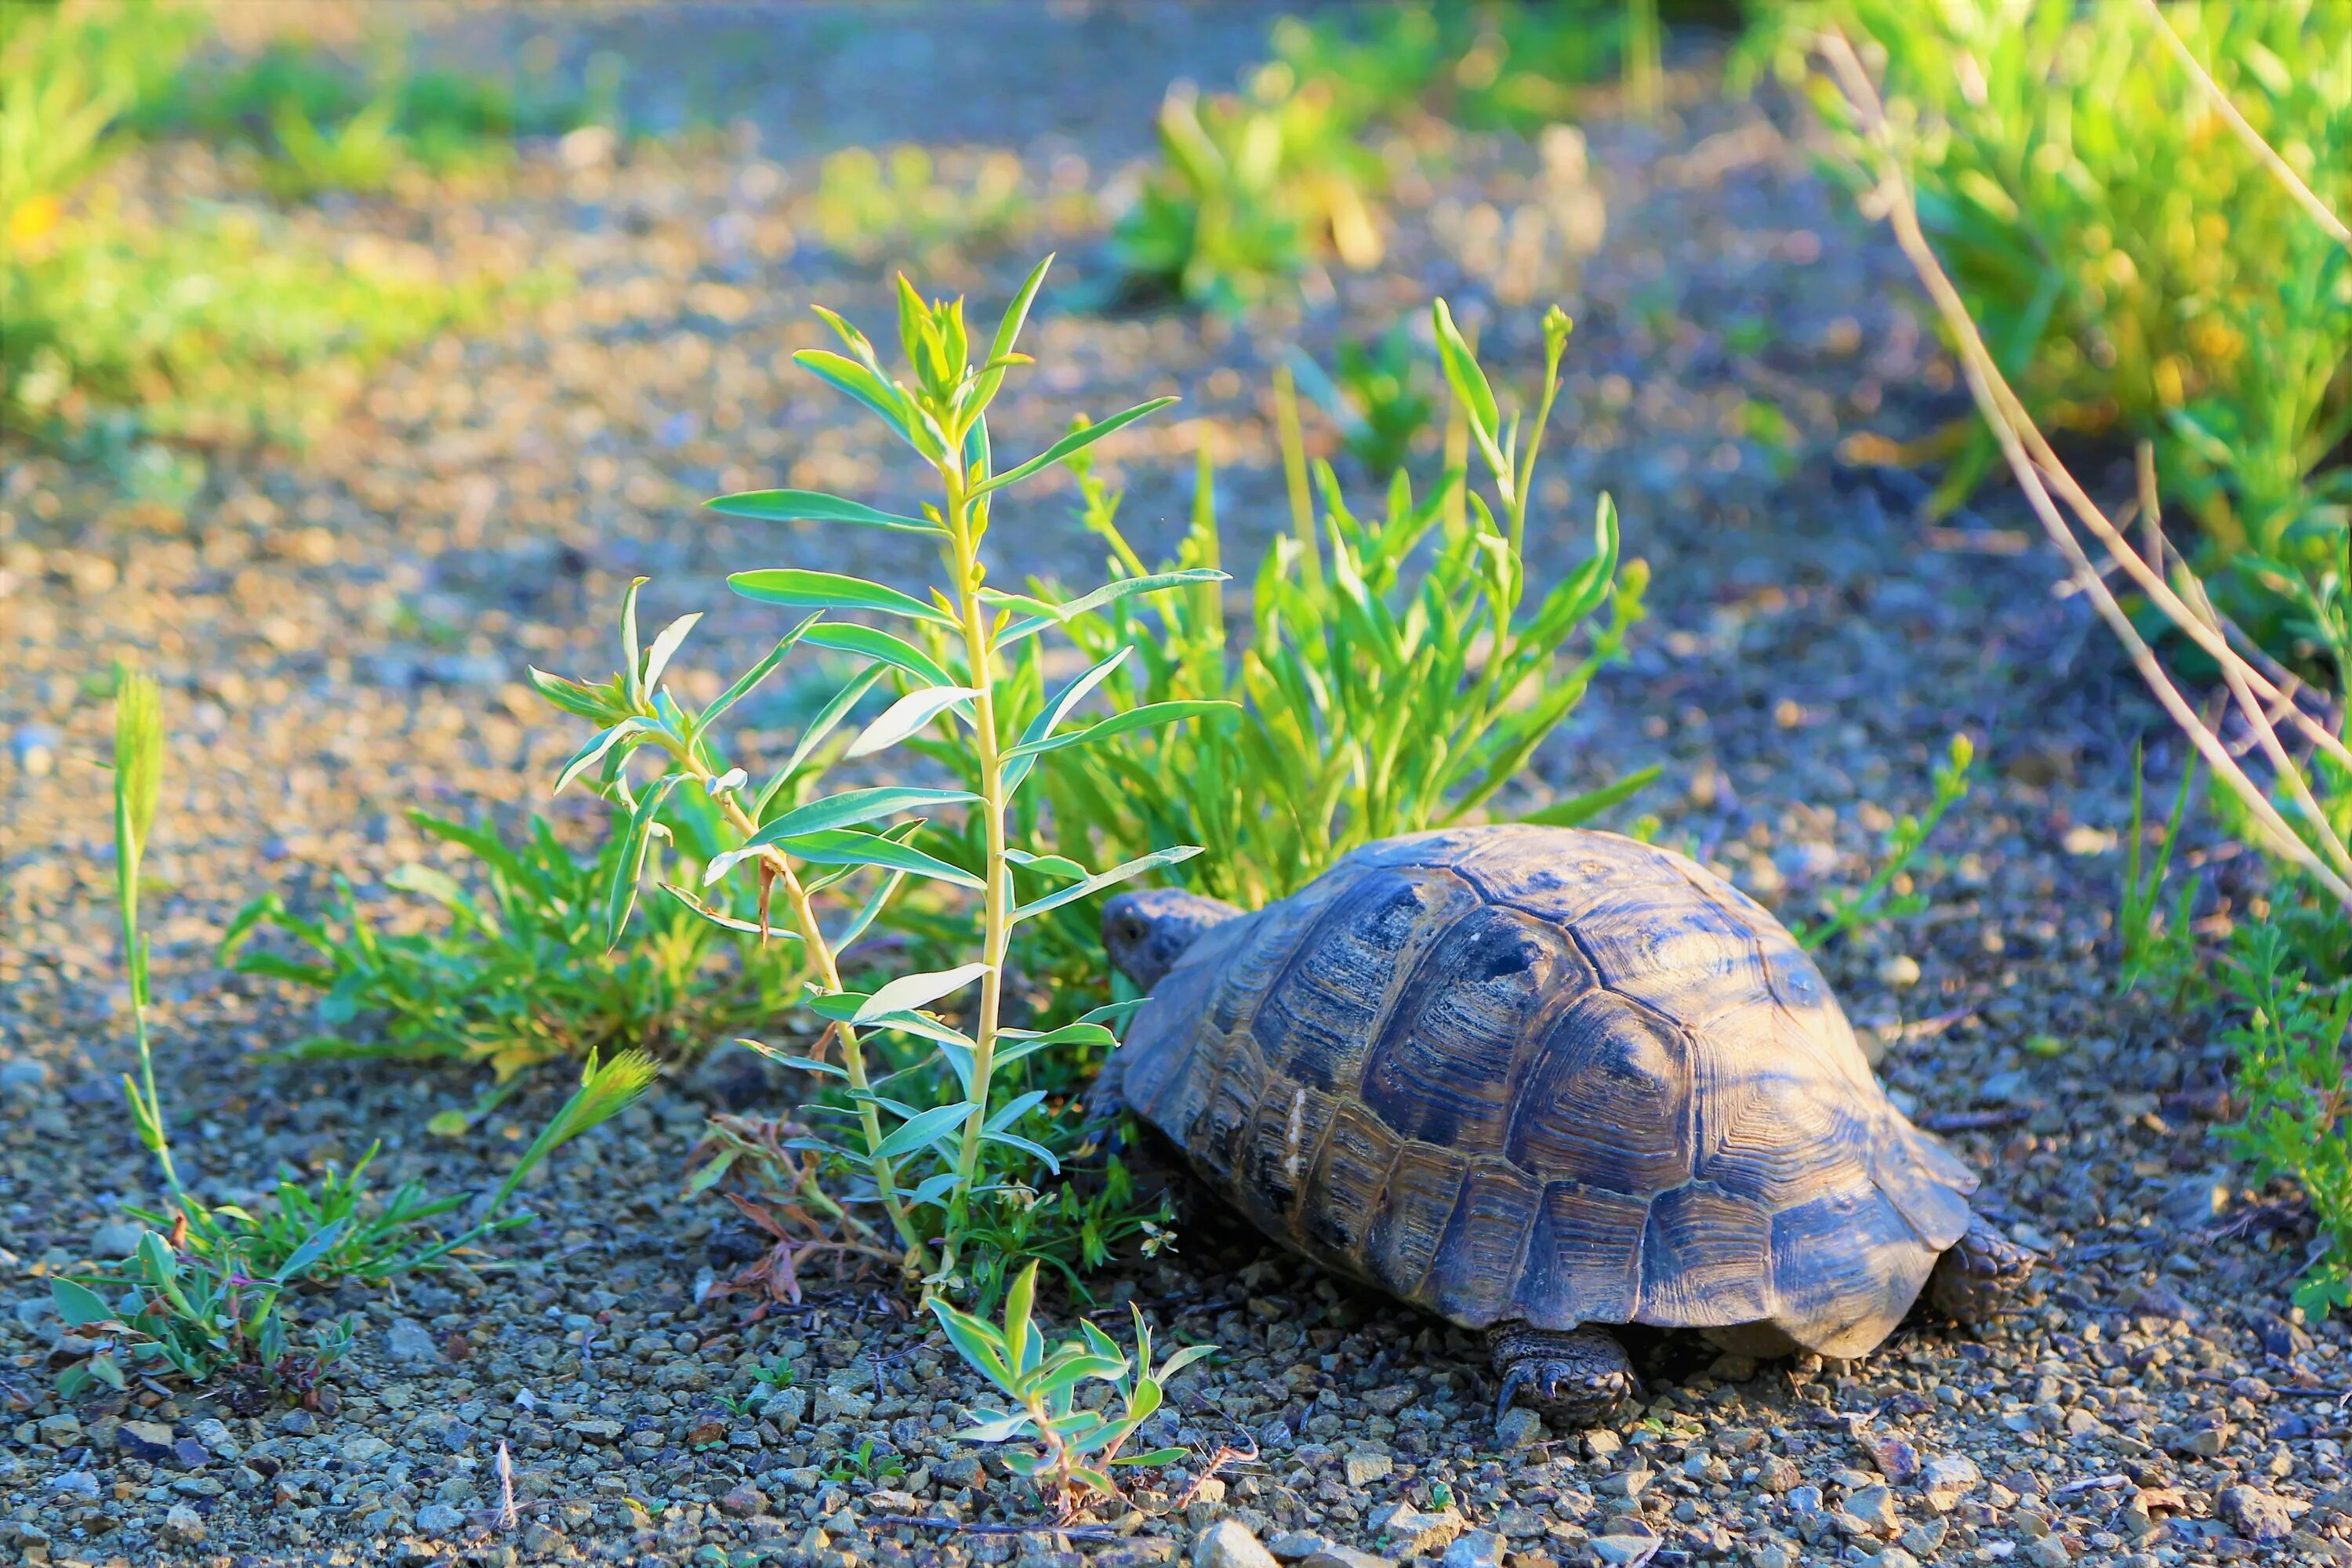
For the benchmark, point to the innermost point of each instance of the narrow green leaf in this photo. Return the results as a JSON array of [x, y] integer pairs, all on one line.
[[909, 991], [632, 660], [1144, 717], [594, 752], [824, 724], [796, 588], [665, 646], [860, 382], [847, 846], [1008, 334], [910, 714], [910, 1136], [1101, 879], [1075, 441], [1109, 593], [846, 636], [815, 506], [727, 923], [1582, 808], [851, 807], [1461, 366], [629, 865], [758, 672]]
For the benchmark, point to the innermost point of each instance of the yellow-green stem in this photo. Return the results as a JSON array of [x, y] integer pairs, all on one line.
[[853, 1054], [965, 561]]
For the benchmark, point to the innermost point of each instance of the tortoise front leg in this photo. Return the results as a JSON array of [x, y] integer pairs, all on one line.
[[1576, 1378]]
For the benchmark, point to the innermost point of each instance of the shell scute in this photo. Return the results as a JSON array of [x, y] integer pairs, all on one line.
[[1348, 1174], [1604, 1099], [1415, 1207], [1321, 1009], [1477, 1269], [1441, 1070], [1707, 1257], [1584, 1260]]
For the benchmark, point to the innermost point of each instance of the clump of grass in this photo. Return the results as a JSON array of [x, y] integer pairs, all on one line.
[[1878, 899], [1398, 674], [903, 1157], [2134, 269], [1381, 395], [212, 1292], [1487, 66], [526, 968], [210, 324], [319, 125]]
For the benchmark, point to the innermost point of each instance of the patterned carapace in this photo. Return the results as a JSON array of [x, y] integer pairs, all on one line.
[[1547, 1075]]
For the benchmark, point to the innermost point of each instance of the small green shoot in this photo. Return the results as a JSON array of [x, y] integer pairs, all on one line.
[[1870, 902], [1074, 1449]]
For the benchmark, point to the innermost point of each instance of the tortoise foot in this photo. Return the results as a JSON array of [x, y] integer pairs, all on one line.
[[1575, 1378]]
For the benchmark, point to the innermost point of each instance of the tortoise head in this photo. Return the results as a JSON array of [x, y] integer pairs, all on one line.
[[1146, 931]]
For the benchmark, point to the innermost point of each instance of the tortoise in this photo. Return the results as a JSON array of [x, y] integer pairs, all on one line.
[[1540, 1081]]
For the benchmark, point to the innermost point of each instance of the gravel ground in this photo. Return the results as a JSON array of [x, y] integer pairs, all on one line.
[[340, 634]]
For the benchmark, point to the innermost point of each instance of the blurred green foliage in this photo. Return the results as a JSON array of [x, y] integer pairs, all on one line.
[[2134, 268], [1254, 189], [871, 203], [132, 311]]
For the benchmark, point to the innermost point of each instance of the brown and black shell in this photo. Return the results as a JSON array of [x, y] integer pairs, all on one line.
[[1549, 1074]]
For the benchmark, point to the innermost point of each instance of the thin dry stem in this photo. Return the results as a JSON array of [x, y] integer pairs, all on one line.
[[2038, 469], [2263, 150]]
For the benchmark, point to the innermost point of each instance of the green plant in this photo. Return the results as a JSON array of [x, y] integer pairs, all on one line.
[[1870, 902], [1488, 65], [867, 205], [1075, 1447], [211, 1293], [226, 326], [69, 75], [861, 1464], [1248, 189], [934, 1133], [1380, 396], [2158, 944], [2289, 794], [1396, 677], [2293, 1032], [2132, 266], [322, 125], [525, 971]]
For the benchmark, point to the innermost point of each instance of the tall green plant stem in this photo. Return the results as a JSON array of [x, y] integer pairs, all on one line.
[[967, 520], [853, 1052]]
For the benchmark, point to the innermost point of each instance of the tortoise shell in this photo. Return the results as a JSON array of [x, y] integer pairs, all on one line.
[[1547, 1075]]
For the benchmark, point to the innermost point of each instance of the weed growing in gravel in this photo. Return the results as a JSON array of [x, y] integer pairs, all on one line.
[[211, 1293], [939, 1131], [526, 970], [2288, 792], [2158, 944], [1487, 66], [2292, 1033], [1076, 1449], [1870, 903], [1396, 678], [2132, 266]]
